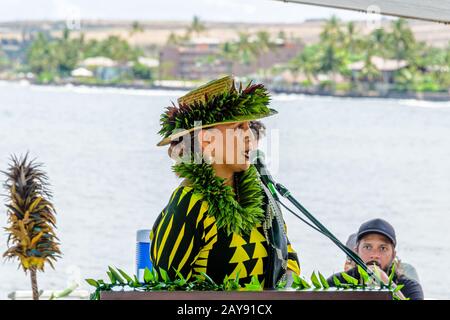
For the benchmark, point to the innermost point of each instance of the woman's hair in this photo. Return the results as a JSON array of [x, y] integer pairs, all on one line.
[[258, 128], [178, 147]]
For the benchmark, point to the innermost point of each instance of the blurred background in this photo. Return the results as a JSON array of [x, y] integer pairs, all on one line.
[[364, 122]]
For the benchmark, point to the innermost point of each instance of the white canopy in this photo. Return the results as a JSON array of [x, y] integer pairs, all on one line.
[[380, 63], [431, 10], [81, 72], [149, 62], [98, 62]]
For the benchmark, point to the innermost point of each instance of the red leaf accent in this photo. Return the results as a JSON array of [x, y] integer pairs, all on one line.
[[172, 112], [251, 88]]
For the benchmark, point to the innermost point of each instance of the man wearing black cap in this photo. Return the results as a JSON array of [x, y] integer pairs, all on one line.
[[375, 244]]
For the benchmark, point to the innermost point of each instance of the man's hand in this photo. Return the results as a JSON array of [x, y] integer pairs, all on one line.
[[385, 278]]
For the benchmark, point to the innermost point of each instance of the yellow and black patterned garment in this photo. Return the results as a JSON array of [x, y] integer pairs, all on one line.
[[186, 239]]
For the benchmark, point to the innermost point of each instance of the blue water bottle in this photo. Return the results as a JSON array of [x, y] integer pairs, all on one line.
[[142, 253]]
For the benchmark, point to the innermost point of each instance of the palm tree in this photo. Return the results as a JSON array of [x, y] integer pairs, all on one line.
[[281, 35], [67, 53], [332, 59], [408, 78], [173, 39], [229, 53], [40, 55], [136, 27], [117, 49], [352, 39], [379, 40], [306, 62], [263, 40], [333, 54], [247, 49], [369, 71], [402, 39], [31, 218], [197, 27], [332, 31], [263, 44]]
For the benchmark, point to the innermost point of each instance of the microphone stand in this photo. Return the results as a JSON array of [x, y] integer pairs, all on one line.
[[283, 191], [356, 258]]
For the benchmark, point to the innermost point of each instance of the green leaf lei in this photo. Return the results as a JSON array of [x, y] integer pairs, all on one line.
[[235, 216]]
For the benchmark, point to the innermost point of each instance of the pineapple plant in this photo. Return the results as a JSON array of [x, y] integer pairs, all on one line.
[[31, 218]]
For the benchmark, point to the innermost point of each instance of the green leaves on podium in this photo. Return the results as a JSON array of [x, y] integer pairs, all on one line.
[[350, 280], [155, 280], [318, 281], [323, 281]]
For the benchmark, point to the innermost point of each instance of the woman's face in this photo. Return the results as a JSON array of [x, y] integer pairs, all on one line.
[[229, 145]]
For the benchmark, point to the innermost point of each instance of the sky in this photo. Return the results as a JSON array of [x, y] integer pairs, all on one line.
[[184, 10]]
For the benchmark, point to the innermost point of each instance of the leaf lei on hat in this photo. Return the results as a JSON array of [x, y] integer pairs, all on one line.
[[235, 217], [230, 105]]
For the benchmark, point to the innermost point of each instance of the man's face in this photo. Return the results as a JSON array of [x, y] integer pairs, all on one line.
[[376, 249]]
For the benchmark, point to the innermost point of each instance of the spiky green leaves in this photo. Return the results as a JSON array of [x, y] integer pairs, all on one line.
[[232, 105]]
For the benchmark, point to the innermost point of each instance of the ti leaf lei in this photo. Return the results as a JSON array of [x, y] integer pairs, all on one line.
[[232, 215]]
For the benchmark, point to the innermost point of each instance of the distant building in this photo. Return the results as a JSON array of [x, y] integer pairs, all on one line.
[[14, 43], [387, 68], [13, 48], [105, 68], [283, 52], [196, 59], [202, 58]]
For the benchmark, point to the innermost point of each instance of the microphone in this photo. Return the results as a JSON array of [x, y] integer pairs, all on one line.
[[258, 159]]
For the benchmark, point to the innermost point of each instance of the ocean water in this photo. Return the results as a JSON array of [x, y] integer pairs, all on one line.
[[346, 160]]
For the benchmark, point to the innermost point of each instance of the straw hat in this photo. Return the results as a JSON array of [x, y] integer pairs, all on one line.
[[217, 102]]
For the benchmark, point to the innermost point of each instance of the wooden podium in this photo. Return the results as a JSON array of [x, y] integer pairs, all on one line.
[[331, 294]]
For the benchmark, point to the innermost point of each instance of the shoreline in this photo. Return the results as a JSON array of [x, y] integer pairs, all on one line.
[[420, 96]]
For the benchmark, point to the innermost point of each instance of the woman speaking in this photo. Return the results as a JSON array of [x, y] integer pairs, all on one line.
[[221, 220]]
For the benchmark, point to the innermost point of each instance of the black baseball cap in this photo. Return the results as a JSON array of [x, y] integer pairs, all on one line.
[[377, 226]]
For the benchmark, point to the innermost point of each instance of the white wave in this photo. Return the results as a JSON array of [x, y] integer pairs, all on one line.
[[288, 97], [424, 104], [19, 83], [109, 90]]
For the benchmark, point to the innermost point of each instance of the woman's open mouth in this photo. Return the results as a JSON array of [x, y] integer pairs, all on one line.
[[246, 154]]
